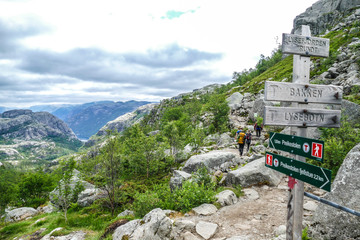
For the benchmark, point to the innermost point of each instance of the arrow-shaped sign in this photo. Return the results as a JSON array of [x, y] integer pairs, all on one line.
[[305, 147], [316, 176]]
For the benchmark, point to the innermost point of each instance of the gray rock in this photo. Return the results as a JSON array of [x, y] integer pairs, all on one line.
[[90, 195], [212, 161], [323, 14], [351, 111], [189, 236], [310, 206], [258, 108], [154, 226], [254, 173], [19, 214], [178, 178], [238, 238], [47, 209], [280, 230], [205, 209], [251, 194], [226, 198], [126, 230], [225, 140], [234, 100], [126, 213], [329, 222], [259, 148], [206, 229], [180, 226]]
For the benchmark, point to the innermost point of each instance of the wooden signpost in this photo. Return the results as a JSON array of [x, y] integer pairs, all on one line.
[[303, 93], [305, 45], [300, 115]]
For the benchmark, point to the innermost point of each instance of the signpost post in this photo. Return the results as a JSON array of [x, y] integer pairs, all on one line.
[[301, 116]]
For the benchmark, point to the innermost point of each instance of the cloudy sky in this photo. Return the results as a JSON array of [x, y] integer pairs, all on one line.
[[77, 51]]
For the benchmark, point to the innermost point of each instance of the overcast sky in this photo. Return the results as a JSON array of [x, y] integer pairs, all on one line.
[[77, 51]]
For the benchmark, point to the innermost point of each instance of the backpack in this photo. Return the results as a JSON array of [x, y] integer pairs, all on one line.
[[248, 138], [241, 138]]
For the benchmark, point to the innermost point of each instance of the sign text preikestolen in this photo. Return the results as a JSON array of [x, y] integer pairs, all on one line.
[[305, 147], [316, 176]]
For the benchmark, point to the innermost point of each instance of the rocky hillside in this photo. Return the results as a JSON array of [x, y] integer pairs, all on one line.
[[228, 196], [85, 120], [121, 123], [27, 135], [27, 125]]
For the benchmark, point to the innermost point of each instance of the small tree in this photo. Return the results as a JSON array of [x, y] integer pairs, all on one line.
[[67, 189], [8, 188]]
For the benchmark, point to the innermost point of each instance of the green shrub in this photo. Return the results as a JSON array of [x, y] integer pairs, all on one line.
[[338, 142]]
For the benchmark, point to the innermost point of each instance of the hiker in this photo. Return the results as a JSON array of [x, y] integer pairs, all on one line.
[[240, 138], [248, 139], [258, 129]]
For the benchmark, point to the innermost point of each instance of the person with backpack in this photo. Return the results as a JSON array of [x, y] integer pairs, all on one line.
[[240, 138], [258, 129], [248, 139]]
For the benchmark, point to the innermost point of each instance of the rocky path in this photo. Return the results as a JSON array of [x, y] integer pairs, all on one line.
[[257, 215]]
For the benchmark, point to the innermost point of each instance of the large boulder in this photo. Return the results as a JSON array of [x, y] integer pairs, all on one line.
[[323, 14], [331, 223], [211, 160], [19, 214], [254, 173], [234, 101], [154, 226]]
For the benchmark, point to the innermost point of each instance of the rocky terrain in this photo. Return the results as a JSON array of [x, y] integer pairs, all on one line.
[[27, 135], [260, 213]]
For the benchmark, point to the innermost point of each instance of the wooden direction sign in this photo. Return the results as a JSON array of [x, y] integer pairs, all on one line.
[[300, 117], [316, 176], [302, 93], [306, 46], [301, 146]]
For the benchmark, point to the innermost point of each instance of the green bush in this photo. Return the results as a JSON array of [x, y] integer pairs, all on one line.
[[183, 199], [338, 142]]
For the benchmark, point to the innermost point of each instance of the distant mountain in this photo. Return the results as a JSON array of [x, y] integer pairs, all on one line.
[[121, 123], [86, 119]]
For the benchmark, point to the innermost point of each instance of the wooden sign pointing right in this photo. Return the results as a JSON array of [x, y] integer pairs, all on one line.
[[302, 93], [306, 46], [299, 117]]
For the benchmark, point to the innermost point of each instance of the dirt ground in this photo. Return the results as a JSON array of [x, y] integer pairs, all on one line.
[[250, 218]]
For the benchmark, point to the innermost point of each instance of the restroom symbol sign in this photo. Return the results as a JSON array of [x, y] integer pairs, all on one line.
[[317, 150]]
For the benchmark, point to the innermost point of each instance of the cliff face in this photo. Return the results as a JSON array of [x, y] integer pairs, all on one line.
[[27, 125], [325, 14]]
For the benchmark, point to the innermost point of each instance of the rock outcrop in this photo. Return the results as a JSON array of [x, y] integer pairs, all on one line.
[[28, 125], [19, 214], [156, 225], [213, 161], [329, 221], [324, 14], [254, 173]]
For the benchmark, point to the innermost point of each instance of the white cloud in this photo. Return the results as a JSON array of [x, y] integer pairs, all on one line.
[[238, 31]]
